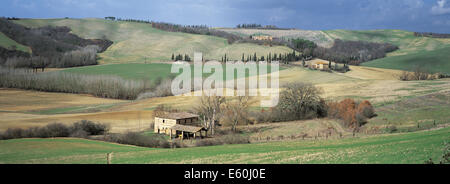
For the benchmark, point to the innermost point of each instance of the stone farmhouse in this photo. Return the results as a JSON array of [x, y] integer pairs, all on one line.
[[180, 125]]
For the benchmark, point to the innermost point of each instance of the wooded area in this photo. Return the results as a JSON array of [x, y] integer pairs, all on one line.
[[51, 47]]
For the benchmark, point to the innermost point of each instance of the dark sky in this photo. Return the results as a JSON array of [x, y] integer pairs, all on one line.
[[412, 15]]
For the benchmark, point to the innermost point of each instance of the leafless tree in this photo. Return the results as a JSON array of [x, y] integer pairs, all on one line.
[[210, 109], [237, 110]]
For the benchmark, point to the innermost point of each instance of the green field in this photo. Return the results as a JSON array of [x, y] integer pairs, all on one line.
[[432, 61], [127, 71], [8, 43], [150, 71], [430, 53], [405, 40], [140, 43], [414, 147]]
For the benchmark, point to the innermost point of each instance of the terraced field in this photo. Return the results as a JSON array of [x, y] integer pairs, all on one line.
[[407, 148]]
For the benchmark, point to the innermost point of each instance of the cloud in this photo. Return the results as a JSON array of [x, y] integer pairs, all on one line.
[[440, 8], [413, 4]]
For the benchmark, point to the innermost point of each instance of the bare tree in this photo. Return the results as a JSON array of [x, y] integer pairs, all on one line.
[[210, 109], [236, 111]]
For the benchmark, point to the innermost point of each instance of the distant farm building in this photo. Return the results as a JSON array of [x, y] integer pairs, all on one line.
[[110, 18], [320, 66], [262, 37], [179, 125]]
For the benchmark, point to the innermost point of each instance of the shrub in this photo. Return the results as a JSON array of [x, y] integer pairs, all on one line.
[[55, 130], [353, 114], [163, 89], [224, 139], [392, 129], [79, 134], [79, 129], [90, 127], [137, 139], [235, 139], [14, 133], [366, 109], [299, 101], [263, 115], [419, 74]]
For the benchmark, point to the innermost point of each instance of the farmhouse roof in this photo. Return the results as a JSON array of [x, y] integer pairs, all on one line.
[[185, 128], [179, 115], [321, 63]]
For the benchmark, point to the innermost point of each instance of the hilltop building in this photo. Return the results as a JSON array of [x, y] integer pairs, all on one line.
[[261, 37], [320, 66]]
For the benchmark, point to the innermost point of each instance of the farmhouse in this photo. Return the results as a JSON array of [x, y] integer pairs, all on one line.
[[180, 124], [321, 66], [262, 37]]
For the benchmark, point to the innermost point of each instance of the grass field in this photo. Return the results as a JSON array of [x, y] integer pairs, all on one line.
[[149, 71], [8, 43], [405, 40], [408, 148], [140, 43], [432, 61], [430, 53], [127, 71]]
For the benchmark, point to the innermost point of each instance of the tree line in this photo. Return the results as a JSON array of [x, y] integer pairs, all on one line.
[[431, 35], [285, 58], [196, 29], [256, 26], [346, 52], [180, 57], [56, 46]]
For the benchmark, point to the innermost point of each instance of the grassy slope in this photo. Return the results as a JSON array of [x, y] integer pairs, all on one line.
[[396, 148], [413, 113], [137, 42], [7, 42], [405, 40], [432, 61], [427, 52]]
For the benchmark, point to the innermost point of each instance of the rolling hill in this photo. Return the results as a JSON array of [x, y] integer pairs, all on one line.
[[414, 51], [431, 61], [140, 43], [8, 43], [405, 40], [429, 53]]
